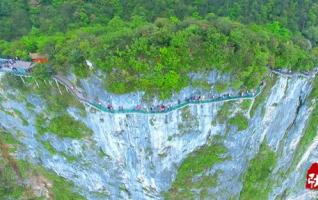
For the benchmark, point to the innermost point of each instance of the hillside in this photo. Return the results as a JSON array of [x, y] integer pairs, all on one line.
[[151, 100]]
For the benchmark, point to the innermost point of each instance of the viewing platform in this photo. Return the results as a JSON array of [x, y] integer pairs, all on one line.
[[289, 73], [15, 66], [24, 68]]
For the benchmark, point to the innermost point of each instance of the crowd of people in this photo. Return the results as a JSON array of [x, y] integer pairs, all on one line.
[[169, 107], [8, 63], [15, 65], [313, 72]]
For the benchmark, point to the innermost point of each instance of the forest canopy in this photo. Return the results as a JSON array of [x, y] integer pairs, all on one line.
[[152, 46], [18, 17]]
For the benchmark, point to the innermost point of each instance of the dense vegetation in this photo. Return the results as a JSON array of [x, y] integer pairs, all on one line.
[[224, 112], [67, 126], [270, 81], [17, 177], [55, 101], [310, 132], [63, 125], [152, 46], [18, 17], [240, 121], [197, 164], [9, 177], [257, 180]]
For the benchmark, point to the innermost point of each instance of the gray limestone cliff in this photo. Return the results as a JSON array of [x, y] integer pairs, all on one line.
[[137, 156]]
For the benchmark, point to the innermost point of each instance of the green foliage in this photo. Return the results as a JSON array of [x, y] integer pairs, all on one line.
[[270, 81], [224, 112], [61, 188], [157, 57], [257, 180], [7, 138], [21, 116], [308, 137], [53, 151], [203, 84], [245, 105], [20, 17], [49, 147], [310, 131], [63, 125], [14, 19], [277, 29], [220, 87], [314, 92], [67, 126], [41, 72], [10, 81], [240, 121], [9, 189], [56, 102], [189, 122], [15, 173], [196, 164], [40, 124]]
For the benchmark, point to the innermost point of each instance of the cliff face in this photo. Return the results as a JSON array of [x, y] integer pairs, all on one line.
[[136, 156]]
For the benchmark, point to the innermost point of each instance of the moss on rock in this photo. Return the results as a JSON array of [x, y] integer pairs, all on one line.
[[192, 174], [257, 180]]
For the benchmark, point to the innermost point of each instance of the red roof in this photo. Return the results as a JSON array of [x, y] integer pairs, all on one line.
[[38, 58]]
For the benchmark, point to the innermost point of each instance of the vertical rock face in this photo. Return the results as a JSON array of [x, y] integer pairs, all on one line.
[[146, 149], [136, 156]]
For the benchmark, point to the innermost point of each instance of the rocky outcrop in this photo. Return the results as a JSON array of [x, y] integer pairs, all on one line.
[[136, 156]]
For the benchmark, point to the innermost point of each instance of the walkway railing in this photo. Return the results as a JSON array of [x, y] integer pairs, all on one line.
[[157, 109], [160, 109], [172, 108]]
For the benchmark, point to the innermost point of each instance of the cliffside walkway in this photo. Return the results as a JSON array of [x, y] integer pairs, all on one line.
[[16, 67], [107, 108], [288, 73], [160, 109]]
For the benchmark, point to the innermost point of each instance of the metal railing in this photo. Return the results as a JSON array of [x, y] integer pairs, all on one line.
[[156, 109]]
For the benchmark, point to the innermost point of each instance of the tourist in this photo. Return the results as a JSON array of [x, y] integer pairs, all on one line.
[[138, 107], [109, 107]]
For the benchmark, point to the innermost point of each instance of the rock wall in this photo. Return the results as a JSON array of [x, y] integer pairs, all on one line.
[[136, 156]]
